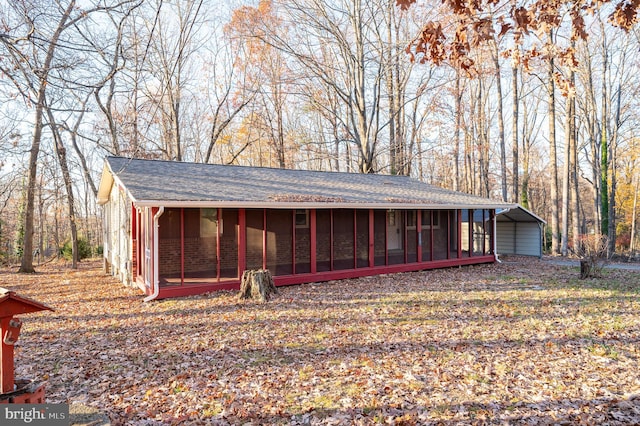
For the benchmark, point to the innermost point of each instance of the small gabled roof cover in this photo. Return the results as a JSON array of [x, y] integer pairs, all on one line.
[[180, 184], [517, 214], [12, 304]]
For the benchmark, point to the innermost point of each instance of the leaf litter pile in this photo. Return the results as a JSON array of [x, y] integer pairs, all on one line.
[[519, 342]]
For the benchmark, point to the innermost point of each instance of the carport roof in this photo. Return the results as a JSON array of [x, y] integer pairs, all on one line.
[[517, 214]]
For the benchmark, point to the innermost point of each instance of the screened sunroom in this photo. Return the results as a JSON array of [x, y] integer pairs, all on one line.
[[195, 228]]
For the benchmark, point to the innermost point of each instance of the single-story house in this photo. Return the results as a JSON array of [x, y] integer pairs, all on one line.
[[177, 228]]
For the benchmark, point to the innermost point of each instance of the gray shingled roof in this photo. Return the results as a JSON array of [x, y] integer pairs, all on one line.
[[169, 183]]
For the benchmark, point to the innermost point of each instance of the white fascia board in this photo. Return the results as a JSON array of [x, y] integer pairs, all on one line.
[[535, 216], [517, 207], [311, 205], [106, 182]]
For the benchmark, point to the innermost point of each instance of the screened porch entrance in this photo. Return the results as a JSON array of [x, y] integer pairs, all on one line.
[[197, 246]]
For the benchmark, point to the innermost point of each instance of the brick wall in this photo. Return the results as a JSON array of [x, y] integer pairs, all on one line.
[[200, 254], [169, 256], [303, 245]]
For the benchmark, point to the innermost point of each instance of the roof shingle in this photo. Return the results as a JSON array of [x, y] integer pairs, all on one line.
[[156, 182]]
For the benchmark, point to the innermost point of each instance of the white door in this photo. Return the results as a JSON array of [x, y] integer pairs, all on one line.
[[394, 230]]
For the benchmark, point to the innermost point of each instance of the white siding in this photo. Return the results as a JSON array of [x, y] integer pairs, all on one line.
[[521, 238], [505, 240], [117, 247]]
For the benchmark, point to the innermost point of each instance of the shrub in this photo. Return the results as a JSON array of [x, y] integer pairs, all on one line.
[[84, 249], [593, 251], [623, 236]]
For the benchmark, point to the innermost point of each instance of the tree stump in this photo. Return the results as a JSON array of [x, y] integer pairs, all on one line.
[[586, 268], [257, 284]]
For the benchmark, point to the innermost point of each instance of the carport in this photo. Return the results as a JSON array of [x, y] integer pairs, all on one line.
[[519, 232]]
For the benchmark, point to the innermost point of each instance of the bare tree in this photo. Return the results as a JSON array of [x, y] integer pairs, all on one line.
[[40, 40], [31, 77], [515, 173], [226, 83], [500, 113], [353, 74], [553, 157], [173, 48]]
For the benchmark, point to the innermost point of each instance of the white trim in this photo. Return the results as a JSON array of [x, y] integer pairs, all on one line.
[[501, 211], [541, 225], [156, 269], [494, 236], [304, 225], [107, 181], [317, 205]]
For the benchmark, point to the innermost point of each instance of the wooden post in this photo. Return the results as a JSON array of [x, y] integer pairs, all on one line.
[[6, 360]]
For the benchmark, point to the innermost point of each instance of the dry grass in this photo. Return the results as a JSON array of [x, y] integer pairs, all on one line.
[[518, 342]]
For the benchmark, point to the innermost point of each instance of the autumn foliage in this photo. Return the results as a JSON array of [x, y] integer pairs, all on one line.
[[480, 21], [513, 343]]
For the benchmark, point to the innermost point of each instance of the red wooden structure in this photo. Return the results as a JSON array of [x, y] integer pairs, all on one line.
[[181, 251], [11, 390]]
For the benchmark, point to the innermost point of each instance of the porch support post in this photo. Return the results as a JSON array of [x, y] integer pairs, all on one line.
[[419, 234], [449, 234], [218, 226], [372, 238], [431, 234], [312, 240], [403, 215], [264, 238], [484, 231], [355, 239], [331, 239], [155, 275], [293, 241], [459, 225], [386, 237], [242, 241], [181, 246], [471, 219]]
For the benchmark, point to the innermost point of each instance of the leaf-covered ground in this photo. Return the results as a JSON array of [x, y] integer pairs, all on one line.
[[520, 342]]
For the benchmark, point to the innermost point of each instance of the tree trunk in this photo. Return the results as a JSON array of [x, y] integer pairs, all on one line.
[[61, 153], [73, 134], [575, 193], [26, 264], [632, 244], [456, 149], [503, 148], [553, 165], [612, 200], [526, 137], [566, 177], [585, 268], [514, 141], [604, 152], [394, 142]]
